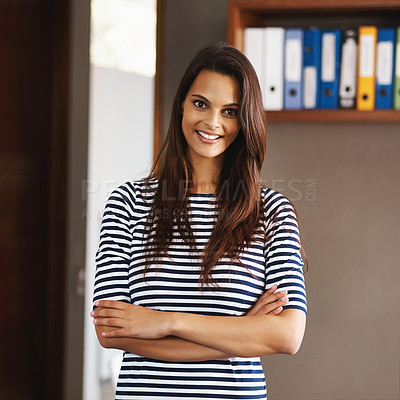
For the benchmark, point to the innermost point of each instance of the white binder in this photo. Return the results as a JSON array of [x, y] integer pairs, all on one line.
[[253, 49], [348, 74], [274, 42]]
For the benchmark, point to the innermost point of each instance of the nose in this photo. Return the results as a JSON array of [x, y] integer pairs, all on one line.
[[213, 120]]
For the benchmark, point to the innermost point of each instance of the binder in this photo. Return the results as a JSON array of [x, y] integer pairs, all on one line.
[[366, 68], [312, 68], [384, 68], [396, 97], [330, 68], [348, 70], [293, 97], [253, 49], [274, 41]]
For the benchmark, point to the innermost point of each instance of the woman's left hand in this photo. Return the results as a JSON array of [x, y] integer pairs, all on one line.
[[270, 303], [130, 320]]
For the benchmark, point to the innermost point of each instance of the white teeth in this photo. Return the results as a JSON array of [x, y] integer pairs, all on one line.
[[207, 136]]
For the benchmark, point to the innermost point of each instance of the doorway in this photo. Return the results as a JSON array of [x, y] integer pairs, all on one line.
[[122, 71]]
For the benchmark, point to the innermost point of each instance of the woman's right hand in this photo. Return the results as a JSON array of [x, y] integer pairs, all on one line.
[[270, 303]]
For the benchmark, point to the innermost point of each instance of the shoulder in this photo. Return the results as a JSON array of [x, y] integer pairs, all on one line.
[[275, 202], [278, 212], [279, 217], [132, 193]]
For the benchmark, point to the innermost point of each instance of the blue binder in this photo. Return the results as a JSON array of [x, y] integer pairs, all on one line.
[[331, 41], [293, 96], [312, 68], [384, 68]]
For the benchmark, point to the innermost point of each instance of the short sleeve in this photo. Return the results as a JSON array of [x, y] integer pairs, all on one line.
[[114, 252], [282, 249]]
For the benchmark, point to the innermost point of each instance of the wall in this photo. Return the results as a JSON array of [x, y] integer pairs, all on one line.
[[188, 26], [120, 149], [350, 232]]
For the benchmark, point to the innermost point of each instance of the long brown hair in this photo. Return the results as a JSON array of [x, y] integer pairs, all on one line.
[[238, 192]]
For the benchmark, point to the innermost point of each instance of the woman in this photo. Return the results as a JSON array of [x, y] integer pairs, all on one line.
[[199, 268]]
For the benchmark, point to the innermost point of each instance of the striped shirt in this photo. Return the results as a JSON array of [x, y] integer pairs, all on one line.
[[174, 286]]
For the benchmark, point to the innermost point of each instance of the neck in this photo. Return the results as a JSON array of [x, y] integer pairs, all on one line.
[[206, 174]]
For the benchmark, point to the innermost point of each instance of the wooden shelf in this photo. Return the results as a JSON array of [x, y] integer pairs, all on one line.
[[243, 13], [326, 14], [333, 116]]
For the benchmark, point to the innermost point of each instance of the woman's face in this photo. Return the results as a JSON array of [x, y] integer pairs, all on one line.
[[210, 120]]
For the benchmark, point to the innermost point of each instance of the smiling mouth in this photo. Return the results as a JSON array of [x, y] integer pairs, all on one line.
[[207, 135]]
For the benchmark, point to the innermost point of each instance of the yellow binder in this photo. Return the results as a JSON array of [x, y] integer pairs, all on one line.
[[366, 68]]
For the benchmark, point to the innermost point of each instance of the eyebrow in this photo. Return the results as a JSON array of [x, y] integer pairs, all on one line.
[[208, 101]]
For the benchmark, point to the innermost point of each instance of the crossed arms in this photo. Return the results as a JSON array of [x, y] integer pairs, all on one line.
[[173, 336]]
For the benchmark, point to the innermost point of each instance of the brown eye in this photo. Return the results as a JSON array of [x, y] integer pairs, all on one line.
[[232, 112], [199, 104]]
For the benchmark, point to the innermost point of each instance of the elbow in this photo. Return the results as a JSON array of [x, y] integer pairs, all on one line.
[[104, 342], [291, 343], [285, 344], [291, 347], [291, 332]]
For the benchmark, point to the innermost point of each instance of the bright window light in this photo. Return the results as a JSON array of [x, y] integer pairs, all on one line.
[[123, 35]]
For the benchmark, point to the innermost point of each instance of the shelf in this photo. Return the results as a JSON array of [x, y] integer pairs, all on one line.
[[325, 14], [333, 116], [242, 14]]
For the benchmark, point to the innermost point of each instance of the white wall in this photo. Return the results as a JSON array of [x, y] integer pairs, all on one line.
[[120, 149]]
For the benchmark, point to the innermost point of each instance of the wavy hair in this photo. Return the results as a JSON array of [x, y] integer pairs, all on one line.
[[238, 192]]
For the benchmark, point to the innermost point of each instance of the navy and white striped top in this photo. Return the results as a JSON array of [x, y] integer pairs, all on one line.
[[175, 287]]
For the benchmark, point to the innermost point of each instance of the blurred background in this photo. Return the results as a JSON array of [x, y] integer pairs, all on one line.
[[80, 103]]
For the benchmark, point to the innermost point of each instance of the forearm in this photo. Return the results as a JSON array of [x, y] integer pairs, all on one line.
[[247, 336], [167, 349], [243, 336]]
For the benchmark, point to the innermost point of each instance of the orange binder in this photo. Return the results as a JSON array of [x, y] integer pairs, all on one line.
[[366, 68]]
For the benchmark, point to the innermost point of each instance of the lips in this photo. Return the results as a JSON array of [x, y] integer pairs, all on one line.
[[208, 137]]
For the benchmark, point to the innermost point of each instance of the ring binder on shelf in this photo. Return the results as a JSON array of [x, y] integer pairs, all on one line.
[[274, 42], [366, 68], [348, 71], [253, 49], [330, 68], [312, 68], [293, 97], [384, 68], [396, 97]]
